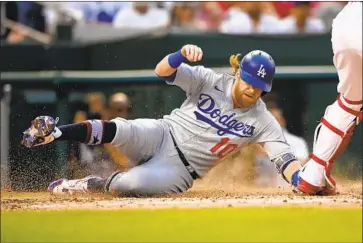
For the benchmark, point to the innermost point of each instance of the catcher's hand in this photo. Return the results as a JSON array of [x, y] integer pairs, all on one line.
[[42, 131]]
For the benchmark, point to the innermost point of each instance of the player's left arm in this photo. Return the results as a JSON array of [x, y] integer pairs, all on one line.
[[283, 157], [171, 62], [175, 71], [279, 151]]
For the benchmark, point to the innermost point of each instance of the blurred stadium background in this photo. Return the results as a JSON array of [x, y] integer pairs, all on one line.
[[83, 60]]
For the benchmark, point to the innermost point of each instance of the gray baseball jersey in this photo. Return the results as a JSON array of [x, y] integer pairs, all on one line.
[[207, 127]]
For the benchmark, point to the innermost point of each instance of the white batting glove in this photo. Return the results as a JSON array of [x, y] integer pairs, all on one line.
[[192, 52]]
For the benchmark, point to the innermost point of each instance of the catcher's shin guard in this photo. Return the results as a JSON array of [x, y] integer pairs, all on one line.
[[331, 138]]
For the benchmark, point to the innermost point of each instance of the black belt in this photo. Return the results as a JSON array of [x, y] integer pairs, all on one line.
[[184, 160]]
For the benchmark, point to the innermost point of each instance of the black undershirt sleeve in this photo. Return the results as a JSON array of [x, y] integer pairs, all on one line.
[[80, 132]]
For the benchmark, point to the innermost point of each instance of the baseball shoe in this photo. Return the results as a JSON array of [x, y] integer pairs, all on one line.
[[64, 186], [307, 188]]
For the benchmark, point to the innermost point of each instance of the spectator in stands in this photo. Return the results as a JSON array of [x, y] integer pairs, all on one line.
[[108, 10], [83, 12], [209, 16], [165, 5], [119, 105], [183, 16], [301, 21], [250, 17], [283, 8], [101, 12], [142, 15], [97, 103], [225, 6]]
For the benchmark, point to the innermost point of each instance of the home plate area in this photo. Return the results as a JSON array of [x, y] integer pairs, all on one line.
[[198, 197]]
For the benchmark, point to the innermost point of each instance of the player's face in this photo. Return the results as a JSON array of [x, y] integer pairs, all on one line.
[[245, 95]]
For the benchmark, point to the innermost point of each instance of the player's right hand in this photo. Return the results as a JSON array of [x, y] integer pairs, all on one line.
[[192, 52], [42, 131]]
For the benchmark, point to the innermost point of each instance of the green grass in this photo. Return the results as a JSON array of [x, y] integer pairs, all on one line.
[[277, 224]]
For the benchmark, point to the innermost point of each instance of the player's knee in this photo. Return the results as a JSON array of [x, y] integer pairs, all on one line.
[[127, 184]]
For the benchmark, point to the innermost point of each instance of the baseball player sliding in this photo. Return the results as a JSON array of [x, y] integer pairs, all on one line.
[[221, 114], [336, 128]]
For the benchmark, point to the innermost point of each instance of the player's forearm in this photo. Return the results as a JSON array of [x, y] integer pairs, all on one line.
[[169, 64], [163, 68], [288, 166], [290, 172], [89, 132]]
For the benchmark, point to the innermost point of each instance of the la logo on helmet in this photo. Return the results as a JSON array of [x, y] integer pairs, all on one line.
[[261, 72]]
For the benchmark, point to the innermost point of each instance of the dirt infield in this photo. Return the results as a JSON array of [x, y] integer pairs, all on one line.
[[229, 184], [201, 195]]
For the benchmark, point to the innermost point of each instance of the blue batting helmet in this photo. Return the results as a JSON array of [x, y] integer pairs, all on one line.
[[258, 69]]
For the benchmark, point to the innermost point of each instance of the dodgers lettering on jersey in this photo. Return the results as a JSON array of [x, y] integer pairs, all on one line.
[[225, 124], [207, 128]]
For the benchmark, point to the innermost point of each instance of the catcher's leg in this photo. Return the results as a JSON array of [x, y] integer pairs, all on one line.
[[336, 128]]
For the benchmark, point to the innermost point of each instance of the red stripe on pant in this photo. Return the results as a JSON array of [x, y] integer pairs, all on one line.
[[333, 129], [358, 114], [351, 102]]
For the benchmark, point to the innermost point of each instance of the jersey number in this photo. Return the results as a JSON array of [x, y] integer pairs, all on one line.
[[226, 148]]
